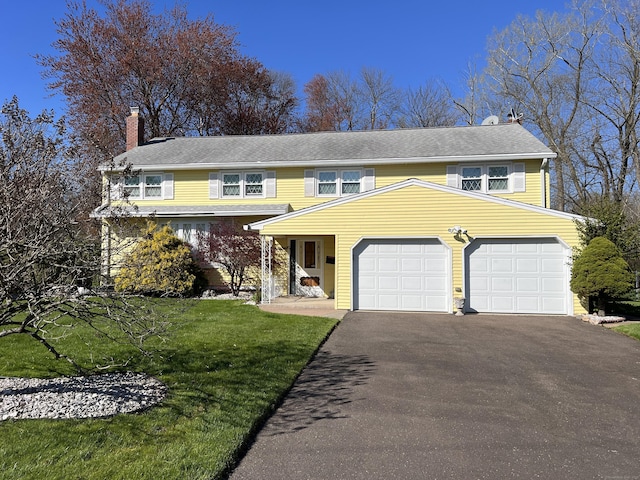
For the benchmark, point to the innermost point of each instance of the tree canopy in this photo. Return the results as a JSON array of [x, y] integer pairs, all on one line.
[[187, 76]]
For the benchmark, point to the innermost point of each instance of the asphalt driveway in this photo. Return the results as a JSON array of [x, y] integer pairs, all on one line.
[[427, 396]]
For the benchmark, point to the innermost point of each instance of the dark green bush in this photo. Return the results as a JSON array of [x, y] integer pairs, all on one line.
[[600, 273]]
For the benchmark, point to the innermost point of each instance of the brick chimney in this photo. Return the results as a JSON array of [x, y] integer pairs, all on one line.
[[135, 129]]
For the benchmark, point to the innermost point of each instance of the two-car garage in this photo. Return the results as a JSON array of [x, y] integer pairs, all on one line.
[[500, 275]]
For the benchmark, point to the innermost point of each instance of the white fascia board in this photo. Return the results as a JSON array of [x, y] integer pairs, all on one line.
[[335, 162], [415, 182]]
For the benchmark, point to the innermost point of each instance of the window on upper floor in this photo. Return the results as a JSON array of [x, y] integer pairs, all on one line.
[[502, 178], [143, 186], [243, 184], [338, 182], [250, 184]]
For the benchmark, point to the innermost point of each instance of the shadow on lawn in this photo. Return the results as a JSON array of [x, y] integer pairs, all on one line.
[[326, 384]]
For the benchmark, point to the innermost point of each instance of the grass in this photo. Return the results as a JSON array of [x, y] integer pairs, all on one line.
[[226, 364], [631, 330]]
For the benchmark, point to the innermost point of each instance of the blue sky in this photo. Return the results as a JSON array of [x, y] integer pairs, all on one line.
[[411, 40]]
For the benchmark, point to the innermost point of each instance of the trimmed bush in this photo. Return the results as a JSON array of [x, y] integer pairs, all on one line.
[[599, 272], [161, 264]]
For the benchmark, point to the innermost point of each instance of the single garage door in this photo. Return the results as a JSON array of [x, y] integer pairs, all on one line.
[[402, 274], [517, 276]]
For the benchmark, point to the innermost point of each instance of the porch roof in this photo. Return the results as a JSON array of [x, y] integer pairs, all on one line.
[[161, 211]]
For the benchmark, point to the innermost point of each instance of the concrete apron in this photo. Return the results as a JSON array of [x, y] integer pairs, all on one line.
[[310, 306]]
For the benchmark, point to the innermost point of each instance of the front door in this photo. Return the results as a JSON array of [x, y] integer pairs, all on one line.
[[308, 279]]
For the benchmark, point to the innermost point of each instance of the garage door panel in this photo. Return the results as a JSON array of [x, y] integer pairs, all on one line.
[[387, 302], [527, 304], [386, 264], [502, 303], [526, 248], [386, 248], [402, 274], [551, 265], [411, 265], [528, 265], [435, 265], [501, 265], [551, 285], [408, 249], [525, 275], [387, 282], [528, 284], [502, 284]]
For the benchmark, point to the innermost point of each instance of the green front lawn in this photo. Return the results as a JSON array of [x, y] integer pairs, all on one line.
[[226, 365], [632, 330]]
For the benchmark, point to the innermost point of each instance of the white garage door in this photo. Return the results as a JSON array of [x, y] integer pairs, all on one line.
[[401, 274], [517, 276]]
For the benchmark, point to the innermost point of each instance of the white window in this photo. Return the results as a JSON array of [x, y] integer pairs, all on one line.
[[148, 186], [327, 183], [243, 184], [152, 186], [472, 178], [231, 185], [503, 178], [498, 179], [333, 183], [253, 184], [350, 180], [132, 186], [186, 232]]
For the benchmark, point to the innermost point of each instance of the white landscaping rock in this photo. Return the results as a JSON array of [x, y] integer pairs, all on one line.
[[78, 397]]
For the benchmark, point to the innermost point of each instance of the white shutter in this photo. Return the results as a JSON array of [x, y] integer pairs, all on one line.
[[369, 179], [452, 176], [519, 183], [167, 186], [270, 184], [213, 185], [309, 183], [115, 187]]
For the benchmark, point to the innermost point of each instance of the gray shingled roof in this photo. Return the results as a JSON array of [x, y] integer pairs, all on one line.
[[365, 147]]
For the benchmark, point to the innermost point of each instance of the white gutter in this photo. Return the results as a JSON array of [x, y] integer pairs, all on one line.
[[331, 163]]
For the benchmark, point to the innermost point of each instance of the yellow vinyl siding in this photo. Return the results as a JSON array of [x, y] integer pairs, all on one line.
[[431, 214], [191, 187]]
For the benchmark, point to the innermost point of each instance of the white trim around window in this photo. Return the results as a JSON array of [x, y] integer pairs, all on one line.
[[242, 184], [338, 182], [144, 186], [487, 178]]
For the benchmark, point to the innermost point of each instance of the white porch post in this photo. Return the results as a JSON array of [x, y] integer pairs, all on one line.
[[266, 244]]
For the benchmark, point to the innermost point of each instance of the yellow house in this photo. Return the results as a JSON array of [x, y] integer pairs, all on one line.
[[407, 219]]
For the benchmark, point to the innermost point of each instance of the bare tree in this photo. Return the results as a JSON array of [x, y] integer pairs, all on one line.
[[576, 78], [337, 101], [473, 107], [380, 99], [49, 261], [431, 105]]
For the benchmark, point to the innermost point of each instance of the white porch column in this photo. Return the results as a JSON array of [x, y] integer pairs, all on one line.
[[267, 292]]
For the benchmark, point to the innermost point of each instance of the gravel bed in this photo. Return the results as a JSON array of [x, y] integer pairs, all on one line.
[[78, 397]]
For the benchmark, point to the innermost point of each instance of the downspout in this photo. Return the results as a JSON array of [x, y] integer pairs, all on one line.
[[543, 182]]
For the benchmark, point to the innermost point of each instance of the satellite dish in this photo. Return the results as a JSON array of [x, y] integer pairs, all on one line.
[[492, 120]]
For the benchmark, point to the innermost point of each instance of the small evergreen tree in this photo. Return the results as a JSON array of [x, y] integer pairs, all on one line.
[[600, 272], [160, 264]]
